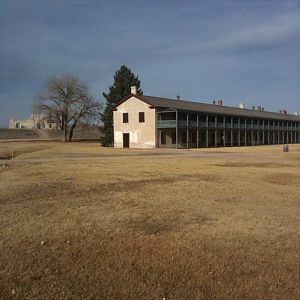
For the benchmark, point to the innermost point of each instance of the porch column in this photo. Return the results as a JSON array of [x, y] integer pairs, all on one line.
[[176, 129], [216, 131], [206, 138], [257, 137], [251, 132], [207, 131], [263, 132], [268, 137], [224, 131], [187, 131], [231, 133], [197, 131], [245, 131], [216, 138], [239, 131], [156, 130], [278, 138]]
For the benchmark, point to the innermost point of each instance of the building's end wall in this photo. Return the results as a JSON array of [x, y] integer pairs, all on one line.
[[12, 123], [141, 135]]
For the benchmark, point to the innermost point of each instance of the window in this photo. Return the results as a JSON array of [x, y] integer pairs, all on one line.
[[125, 117], [163, 138], [141, 117]]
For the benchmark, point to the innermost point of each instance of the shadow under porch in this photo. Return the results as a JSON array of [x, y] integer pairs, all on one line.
[[192, 138]]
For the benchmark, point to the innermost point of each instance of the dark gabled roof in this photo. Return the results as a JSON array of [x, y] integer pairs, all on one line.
[[158, 102]]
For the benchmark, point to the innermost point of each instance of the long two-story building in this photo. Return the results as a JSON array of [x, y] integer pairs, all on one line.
[[147, 122]]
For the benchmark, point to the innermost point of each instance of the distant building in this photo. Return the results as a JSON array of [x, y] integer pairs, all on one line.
[[36, 121], [147, 122]]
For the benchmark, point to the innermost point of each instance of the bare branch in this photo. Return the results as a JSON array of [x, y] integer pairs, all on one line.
[[68, 100]]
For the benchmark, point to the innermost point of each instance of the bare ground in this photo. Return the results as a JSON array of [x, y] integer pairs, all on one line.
[[78, 221]]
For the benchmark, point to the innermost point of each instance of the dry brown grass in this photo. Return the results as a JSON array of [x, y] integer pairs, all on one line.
[[82, 222]]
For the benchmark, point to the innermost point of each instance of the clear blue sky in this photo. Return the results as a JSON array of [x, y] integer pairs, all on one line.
[[240, 51]]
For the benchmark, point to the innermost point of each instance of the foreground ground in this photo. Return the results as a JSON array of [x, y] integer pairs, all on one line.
[[82, 222]]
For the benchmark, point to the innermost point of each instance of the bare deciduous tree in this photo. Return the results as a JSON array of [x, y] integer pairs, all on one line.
[[67, 99]]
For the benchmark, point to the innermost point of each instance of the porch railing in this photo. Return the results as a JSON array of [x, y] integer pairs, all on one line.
[[166, 123]]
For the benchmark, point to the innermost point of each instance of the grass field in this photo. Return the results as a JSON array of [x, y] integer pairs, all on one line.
[[78, 221]]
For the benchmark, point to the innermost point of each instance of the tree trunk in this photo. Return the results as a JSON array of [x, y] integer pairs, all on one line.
[[71, 132], [60, 121], [65, 133]]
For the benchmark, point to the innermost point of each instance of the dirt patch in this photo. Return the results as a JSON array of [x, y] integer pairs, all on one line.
[[70, 187], [200, 177], [149, 225], [233, 200], [284, 179], [126, 185], [160, 225], [247, 165]]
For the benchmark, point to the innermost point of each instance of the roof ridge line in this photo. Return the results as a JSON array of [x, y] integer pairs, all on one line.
[[221, 106]]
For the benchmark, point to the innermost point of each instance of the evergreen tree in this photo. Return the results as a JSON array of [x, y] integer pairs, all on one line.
[[124, 78]]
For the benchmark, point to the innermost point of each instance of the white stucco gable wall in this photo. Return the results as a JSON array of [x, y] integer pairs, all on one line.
[[141, 135]]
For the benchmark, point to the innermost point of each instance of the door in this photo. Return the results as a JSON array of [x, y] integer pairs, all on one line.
[[125, 140]]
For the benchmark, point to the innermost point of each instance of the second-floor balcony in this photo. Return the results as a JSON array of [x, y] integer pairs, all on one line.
[[193, 123], [170, 121], [166, 123], [182, 123]]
